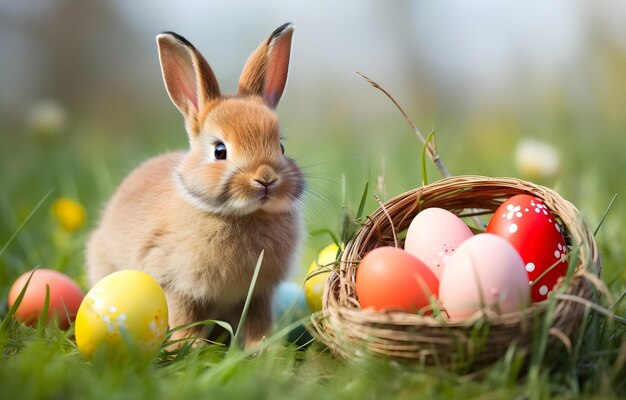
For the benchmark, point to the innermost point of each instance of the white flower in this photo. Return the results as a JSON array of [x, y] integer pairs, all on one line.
[[46, 118], [536, 159]]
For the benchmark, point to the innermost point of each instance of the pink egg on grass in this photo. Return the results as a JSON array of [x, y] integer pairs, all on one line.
[[485, 272], [434, 235], [64, 298]]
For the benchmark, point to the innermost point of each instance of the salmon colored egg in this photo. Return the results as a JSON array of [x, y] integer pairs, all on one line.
[[124, 314], [526, 223], [484, 272], [391, 278], [434, 234], [64, 299]]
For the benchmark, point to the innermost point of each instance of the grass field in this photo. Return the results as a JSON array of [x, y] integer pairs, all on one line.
[[87, 158]]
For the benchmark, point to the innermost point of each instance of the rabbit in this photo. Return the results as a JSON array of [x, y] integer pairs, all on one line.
[[198, 220]]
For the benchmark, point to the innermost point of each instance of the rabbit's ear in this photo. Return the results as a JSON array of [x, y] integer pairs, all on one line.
[[189, 80], [265, 72]]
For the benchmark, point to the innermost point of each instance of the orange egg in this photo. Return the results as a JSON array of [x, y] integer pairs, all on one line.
[[65, 297], [391, 278]]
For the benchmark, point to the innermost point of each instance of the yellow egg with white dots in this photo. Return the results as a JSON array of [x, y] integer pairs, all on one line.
[[123, 315], [318, 273]]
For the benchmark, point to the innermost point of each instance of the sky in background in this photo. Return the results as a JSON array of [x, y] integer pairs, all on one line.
[[458, 55]]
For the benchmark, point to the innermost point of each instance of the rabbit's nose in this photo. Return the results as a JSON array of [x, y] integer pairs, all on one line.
[[266, 176], [266, 183]]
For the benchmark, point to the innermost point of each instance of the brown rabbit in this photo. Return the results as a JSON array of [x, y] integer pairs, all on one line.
[[197, 221]]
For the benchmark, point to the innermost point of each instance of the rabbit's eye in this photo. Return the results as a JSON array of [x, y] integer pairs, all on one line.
[[220, 151], [282, 148]]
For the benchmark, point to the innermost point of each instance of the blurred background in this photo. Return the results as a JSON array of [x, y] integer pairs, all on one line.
[[535, 90]]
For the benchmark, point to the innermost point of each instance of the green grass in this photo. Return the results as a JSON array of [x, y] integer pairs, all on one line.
[[90, 158]]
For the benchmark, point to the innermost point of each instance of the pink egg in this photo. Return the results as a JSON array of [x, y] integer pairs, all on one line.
[[434, 235], [531, 228], [485, 271], [64, 298]]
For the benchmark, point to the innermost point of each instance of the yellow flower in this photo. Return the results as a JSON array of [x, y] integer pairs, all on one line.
[[69, 214]]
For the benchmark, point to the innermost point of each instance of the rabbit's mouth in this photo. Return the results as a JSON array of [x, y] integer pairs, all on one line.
[[265, 188], [265, 197], [264, 193]]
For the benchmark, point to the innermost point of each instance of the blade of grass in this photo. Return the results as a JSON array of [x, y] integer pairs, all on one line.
[[344, 190], [589, 304], [619, 300], [348, 226], [7, 319], [361, 208], [223, 324], [325, 231], [43, 315], [23, 224], [246, 306], [232, 360], [605, 214]]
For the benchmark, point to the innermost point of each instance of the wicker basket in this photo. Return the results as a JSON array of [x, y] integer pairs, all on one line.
[[352, 332]]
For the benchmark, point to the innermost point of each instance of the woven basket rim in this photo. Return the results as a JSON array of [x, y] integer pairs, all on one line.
[[346, 328]]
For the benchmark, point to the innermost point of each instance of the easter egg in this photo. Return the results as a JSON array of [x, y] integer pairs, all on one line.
[[289, 300], [485, 271], [434, 234], [289, 306], [391, 278], [526, 223], [123, 314], [317, 275], [64, 298]]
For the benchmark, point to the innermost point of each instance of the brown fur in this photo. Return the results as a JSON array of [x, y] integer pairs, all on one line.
[[198, 225]]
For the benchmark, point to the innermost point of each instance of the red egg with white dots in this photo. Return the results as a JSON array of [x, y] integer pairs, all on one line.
[[527, 223]]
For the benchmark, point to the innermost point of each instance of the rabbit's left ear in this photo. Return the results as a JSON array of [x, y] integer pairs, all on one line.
[[265, 72], [189, 79]]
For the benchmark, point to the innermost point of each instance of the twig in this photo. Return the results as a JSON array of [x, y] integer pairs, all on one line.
[[430, 148], [429, 145]]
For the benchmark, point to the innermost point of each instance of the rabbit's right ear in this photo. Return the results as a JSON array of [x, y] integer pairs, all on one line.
[[189, 80], [265, 72]]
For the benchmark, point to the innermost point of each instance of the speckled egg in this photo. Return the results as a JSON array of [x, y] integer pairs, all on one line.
[[527, 223], [125, 314], [434, 235]]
